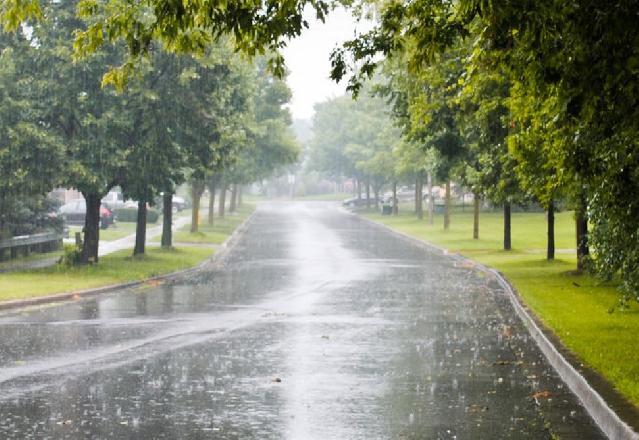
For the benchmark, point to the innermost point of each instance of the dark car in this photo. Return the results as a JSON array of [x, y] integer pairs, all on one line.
[[355, 202], [75, 211], [179, 203]]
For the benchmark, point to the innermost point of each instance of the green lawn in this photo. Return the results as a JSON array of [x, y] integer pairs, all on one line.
[[17, 262], [118, 267], [217, 233], [575, 307], [113, 232]]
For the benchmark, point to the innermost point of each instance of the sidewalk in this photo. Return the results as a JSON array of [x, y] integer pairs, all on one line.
[[106, 247], [127, 242]]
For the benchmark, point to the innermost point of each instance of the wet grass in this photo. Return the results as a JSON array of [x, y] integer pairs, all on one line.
[[576, 307], [119, 267], [113, 232], [218, 232], [19, 261]]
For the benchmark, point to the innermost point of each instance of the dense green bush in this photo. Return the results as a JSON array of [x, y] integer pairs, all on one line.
[[131, 215], [25, 215], [71, 257]]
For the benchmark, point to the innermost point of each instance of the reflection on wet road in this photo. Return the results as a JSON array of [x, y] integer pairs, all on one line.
[[316, 325]]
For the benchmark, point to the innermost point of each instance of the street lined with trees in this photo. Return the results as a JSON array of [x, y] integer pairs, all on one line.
[[530, 105], [564, 79]]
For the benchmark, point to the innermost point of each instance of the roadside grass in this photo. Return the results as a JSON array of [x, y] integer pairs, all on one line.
[[19, 261], [119, 230], [119, 267], [217, 233], [113, 232], [116, 268], [575, 307], [122, 229]]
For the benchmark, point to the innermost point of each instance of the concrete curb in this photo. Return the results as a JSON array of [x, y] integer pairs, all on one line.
[[603, 415], [86, 293]]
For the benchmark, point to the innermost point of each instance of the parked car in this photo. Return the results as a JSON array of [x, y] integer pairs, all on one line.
[[179, 203], [75, 212], [355, 202], [406, 194], [113, 200]]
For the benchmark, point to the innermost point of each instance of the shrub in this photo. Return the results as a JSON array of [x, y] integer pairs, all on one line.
[[71, 257], [131, 215]]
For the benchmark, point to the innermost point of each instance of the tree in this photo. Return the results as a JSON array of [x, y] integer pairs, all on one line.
[[484, 120], [257, 27], [215, 95], [88, 119], [425, 107], [269, 144], [31, 157], [579, 61], [354, 139], [330, 137]]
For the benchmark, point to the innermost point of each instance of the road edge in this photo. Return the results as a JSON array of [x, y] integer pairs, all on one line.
[[603, 415], [224, 248]]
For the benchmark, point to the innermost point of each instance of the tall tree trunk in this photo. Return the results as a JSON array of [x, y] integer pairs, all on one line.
[[368, 194], [415, 198], [222, 202], [140, 229], [507, 241], [581, 223], [359, 189], [476, 201], [447, 207], [167, 220], [197, 188], [431, 201], [91, 241], [376, 195], [419, 205], [240, 191], [212, 187], [233, 204], [395, 207], [550, 249]]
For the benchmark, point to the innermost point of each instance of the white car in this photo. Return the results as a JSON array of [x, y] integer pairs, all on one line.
[[178, 203]]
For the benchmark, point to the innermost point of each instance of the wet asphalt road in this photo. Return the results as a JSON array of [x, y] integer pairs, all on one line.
[[316, 325]]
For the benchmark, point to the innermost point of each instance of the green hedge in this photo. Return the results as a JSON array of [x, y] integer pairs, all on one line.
[[131, 215]]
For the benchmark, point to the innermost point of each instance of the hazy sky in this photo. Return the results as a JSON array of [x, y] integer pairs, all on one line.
[[307, 59]]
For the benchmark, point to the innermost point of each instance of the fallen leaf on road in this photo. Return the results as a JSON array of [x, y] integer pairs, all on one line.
[[545, 394], [154, 283], [506, 331], [477, 408], [500, 362]]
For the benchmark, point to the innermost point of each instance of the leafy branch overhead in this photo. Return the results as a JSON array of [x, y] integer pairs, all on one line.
[[256, 27]]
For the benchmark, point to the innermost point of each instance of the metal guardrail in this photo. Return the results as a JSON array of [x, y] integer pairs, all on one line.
[[27, 240], [43, 242]]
